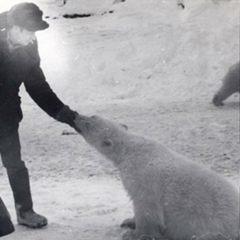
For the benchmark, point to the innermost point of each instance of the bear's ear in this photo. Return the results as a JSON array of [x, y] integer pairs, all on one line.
[[124, 126], [107, 143]]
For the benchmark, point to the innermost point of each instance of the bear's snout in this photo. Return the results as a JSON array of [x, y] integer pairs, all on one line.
[[79, 121]]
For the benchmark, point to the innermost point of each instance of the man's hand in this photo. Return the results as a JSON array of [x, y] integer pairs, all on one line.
[[66, 115]]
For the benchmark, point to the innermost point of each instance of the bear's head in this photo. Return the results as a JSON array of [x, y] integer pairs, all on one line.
[[106, 136]]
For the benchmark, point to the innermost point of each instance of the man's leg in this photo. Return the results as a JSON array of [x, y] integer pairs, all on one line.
[[19, 182], [6, 226]]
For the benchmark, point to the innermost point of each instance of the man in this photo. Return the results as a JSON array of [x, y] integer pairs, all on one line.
[[20, 63]]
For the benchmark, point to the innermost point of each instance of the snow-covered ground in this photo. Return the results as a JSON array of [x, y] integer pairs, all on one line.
[[146, 63]]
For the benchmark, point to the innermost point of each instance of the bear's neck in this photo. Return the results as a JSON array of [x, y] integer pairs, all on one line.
[[131, 150]]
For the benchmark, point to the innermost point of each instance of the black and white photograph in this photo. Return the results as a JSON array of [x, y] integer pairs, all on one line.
[[119, 120]]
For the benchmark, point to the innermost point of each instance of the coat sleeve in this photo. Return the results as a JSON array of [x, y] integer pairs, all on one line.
[[41, 92]]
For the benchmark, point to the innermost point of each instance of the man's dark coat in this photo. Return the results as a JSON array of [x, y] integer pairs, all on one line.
[[22, 65]]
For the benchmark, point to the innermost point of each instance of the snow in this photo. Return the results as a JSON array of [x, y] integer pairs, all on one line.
[[146, 63]]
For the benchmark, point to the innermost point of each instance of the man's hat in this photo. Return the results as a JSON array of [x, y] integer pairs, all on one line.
[[27, 16]]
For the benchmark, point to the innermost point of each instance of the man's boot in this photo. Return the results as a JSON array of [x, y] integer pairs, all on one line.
[[31, 219], [19, 181], [6, 226]]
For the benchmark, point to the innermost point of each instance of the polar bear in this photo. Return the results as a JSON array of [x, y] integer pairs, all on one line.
[[173, 198], [230, 85]]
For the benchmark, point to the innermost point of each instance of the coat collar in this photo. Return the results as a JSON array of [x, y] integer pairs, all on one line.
[[5, 40]]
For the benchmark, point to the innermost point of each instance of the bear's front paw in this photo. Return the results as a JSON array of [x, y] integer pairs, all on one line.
[[129, 235], [143, 237], [134, 235], [129, 223]]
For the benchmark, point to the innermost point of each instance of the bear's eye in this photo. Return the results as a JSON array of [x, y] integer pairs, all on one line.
[[107, 143], [87, 125], [124, 126]]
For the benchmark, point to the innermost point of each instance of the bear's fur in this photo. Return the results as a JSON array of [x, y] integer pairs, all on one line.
[[173, 198], [230, 85]]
